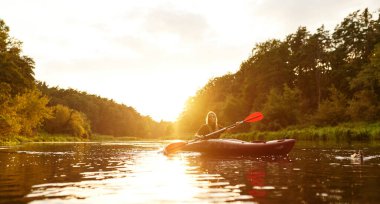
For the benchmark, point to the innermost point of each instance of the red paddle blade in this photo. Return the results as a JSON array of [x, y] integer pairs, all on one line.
[[173, 147], [254, 117]]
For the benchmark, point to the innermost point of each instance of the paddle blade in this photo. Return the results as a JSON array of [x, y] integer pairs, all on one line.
[[173, 147], [254, 117]]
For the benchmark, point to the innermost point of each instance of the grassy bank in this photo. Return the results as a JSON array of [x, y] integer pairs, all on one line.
[[44, 137], [104, 138], [16, 140], [343, 132]]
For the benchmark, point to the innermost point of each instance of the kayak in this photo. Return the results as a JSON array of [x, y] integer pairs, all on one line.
[[239, 147]]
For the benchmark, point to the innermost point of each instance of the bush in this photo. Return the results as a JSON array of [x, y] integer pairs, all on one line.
[[22, 114], [282, 109], [364, 106], [332, 111], [68, 121]]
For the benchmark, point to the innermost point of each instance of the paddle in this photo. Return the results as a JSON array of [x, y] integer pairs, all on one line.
[[253, 117]]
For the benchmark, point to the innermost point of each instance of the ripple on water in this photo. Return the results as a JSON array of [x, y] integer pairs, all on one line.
[[45, 153]]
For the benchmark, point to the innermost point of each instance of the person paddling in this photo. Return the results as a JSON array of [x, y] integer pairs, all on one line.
[[210, 126], [206, 131]]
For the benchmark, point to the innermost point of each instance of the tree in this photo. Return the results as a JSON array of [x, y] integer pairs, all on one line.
[[9, 122], [69, 121], [15, 69], [354, 39], [31, 110], [364, 106], [369, 76], [24, 113], [282, 108], [332, 111]]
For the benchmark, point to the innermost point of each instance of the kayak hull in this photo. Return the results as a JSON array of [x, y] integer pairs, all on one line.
[[238, 147]]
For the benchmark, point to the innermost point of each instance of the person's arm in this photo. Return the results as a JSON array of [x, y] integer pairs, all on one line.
[[217, 135], [201, 132]]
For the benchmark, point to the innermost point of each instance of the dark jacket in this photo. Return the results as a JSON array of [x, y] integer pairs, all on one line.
[[205, 129]]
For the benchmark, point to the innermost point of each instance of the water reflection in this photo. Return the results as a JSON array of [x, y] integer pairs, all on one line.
[[135, 172]]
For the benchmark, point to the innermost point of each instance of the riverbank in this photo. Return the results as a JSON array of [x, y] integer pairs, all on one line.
[[44, 137], [16, 140], [342, 132]]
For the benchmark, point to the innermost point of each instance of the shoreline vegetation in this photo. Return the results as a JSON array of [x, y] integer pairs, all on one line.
[[342, 133]]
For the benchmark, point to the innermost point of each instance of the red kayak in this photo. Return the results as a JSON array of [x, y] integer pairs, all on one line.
[[238, 147]]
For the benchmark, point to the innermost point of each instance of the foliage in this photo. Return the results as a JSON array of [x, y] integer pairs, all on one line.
[[369, 76], [15, 69], [311, 63], [343, 132], [69, 121], [364, 106], [23, 114], [332, 110], [22, 107], [282, 109], [105, 116]]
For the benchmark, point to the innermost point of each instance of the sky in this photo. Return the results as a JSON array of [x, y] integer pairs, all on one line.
[[154, 54]]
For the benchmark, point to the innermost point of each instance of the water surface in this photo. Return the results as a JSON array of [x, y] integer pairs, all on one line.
[[136, 172]]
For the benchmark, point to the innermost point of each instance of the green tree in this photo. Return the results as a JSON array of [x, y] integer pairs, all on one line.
[[364, 106], [9, 122], [332, 111], [69, 121], [282, 109], [354, 39], [266, 69], [31, 108], [23, 113], [369, 76], [15, 69]]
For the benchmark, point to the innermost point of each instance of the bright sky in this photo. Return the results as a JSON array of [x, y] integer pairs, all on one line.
[[154, 54]]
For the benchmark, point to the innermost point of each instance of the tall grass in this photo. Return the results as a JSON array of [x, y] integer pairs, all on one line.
[[343, 132], [42, 137]]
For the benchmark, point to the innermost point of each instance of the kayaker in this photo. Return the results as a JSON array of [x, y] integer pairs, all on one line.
[[210, 126]]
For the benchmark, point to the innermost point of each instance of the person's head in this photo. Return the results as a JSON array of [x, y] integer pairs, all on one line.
[[211, 119]]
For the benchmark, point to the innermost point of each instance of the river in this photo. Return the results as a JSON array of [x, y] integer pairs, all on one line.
[[137, 172]]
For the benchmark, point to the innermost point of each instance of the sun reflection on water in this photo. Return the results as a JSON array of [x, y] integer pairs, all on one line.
[[148, 177], [138, 176]]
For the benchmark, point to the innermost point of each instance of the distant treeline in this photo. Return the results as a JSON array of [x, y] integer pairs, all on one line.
[[28, 107], [307, 79], [105, 116]]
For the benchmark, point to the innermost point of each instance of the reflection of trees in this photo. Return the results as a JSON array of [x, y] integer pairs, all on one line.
[[24, 167]]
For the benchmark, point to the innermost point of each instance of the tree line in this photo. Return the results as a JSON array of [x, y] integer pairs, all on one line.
[[28, 107], [318, 79]]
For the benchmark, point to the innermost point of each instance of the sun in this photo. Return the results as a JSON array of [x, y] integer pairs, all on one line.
[[162, 96]]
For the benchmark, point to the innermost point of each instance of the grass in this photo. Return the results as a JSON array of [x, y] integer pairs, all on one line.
[[42, 137], [342, 132], [102, 138]]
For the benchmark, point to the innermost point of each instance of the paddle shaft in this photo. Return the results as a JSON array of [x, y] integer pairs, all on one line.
[[221, 130]]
